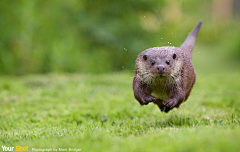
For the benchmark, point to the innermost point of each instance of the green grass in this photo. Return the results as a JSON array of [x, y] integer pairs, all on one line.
[[99, 113]]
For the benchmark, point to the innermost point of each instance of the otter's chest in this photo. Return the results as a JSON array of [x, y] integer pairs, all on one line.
[[160, 94]]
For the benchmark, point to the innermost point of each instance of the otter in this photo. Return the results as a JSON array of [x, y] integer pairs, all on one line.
[[165, 75]]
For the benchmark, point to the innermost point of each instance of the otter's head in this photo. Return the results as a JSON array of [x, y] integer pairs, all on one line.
[[159, 62]]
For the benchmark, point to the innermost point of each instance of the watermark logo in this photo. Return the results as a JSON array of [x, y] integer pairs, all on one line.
[[18, 148], [7, 148]]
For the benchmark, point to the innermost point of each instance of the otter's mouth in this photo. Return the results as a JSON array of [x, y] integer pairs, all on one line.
[[161, 75]]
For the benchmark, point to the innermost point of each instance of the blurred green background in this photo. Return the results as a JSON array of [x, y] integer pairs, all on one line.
[[90, 36], [45, 40]]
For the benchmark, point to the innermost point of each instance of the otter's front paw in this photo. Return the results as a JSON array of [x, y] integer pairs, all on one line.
[[148, 99], [170, 103]]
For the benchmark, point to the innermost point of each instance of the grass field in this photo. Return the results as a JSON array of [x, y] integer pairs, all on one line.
[[99, 113]]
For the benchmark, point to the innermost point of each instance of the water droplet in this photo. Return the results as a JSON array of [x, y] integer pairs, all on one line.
[[168, 42], [125, 49], [198, 52], [143, 16], [165, 27], [161, 38], [123, 67], [172, 33]]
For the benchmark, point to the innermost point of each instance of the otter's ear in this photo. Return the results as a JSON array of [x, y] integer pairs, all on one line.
[[174, 56], [144, 57]]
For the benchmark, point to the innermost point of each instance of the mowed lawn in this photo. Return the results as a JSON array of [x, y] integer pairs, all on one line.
[[99, 113]]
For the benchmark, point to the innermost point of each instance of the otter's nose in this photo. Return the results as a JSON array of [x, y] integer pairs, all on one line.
[[160, 68]]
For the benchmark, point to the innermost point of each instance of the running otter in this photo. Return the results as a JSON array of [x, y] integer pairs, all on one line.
[[165, 75]]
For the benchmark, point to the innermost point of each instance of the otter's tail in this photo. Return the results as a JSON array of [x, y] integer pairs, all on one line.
[[189, 43]]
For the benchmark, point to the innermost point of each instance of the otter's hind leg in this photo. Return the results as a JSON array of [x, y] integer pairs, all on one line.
[[160, 105]]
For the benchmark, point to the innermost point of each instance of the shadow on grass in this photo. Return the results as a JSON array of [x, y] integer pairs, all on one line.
[[176, 121], [186, 121]]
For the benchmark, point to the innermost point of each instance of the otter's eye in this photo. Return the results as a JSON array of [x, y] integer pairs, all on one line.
[[174, 56], [152, 62], [145, 57], [167, 62]]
